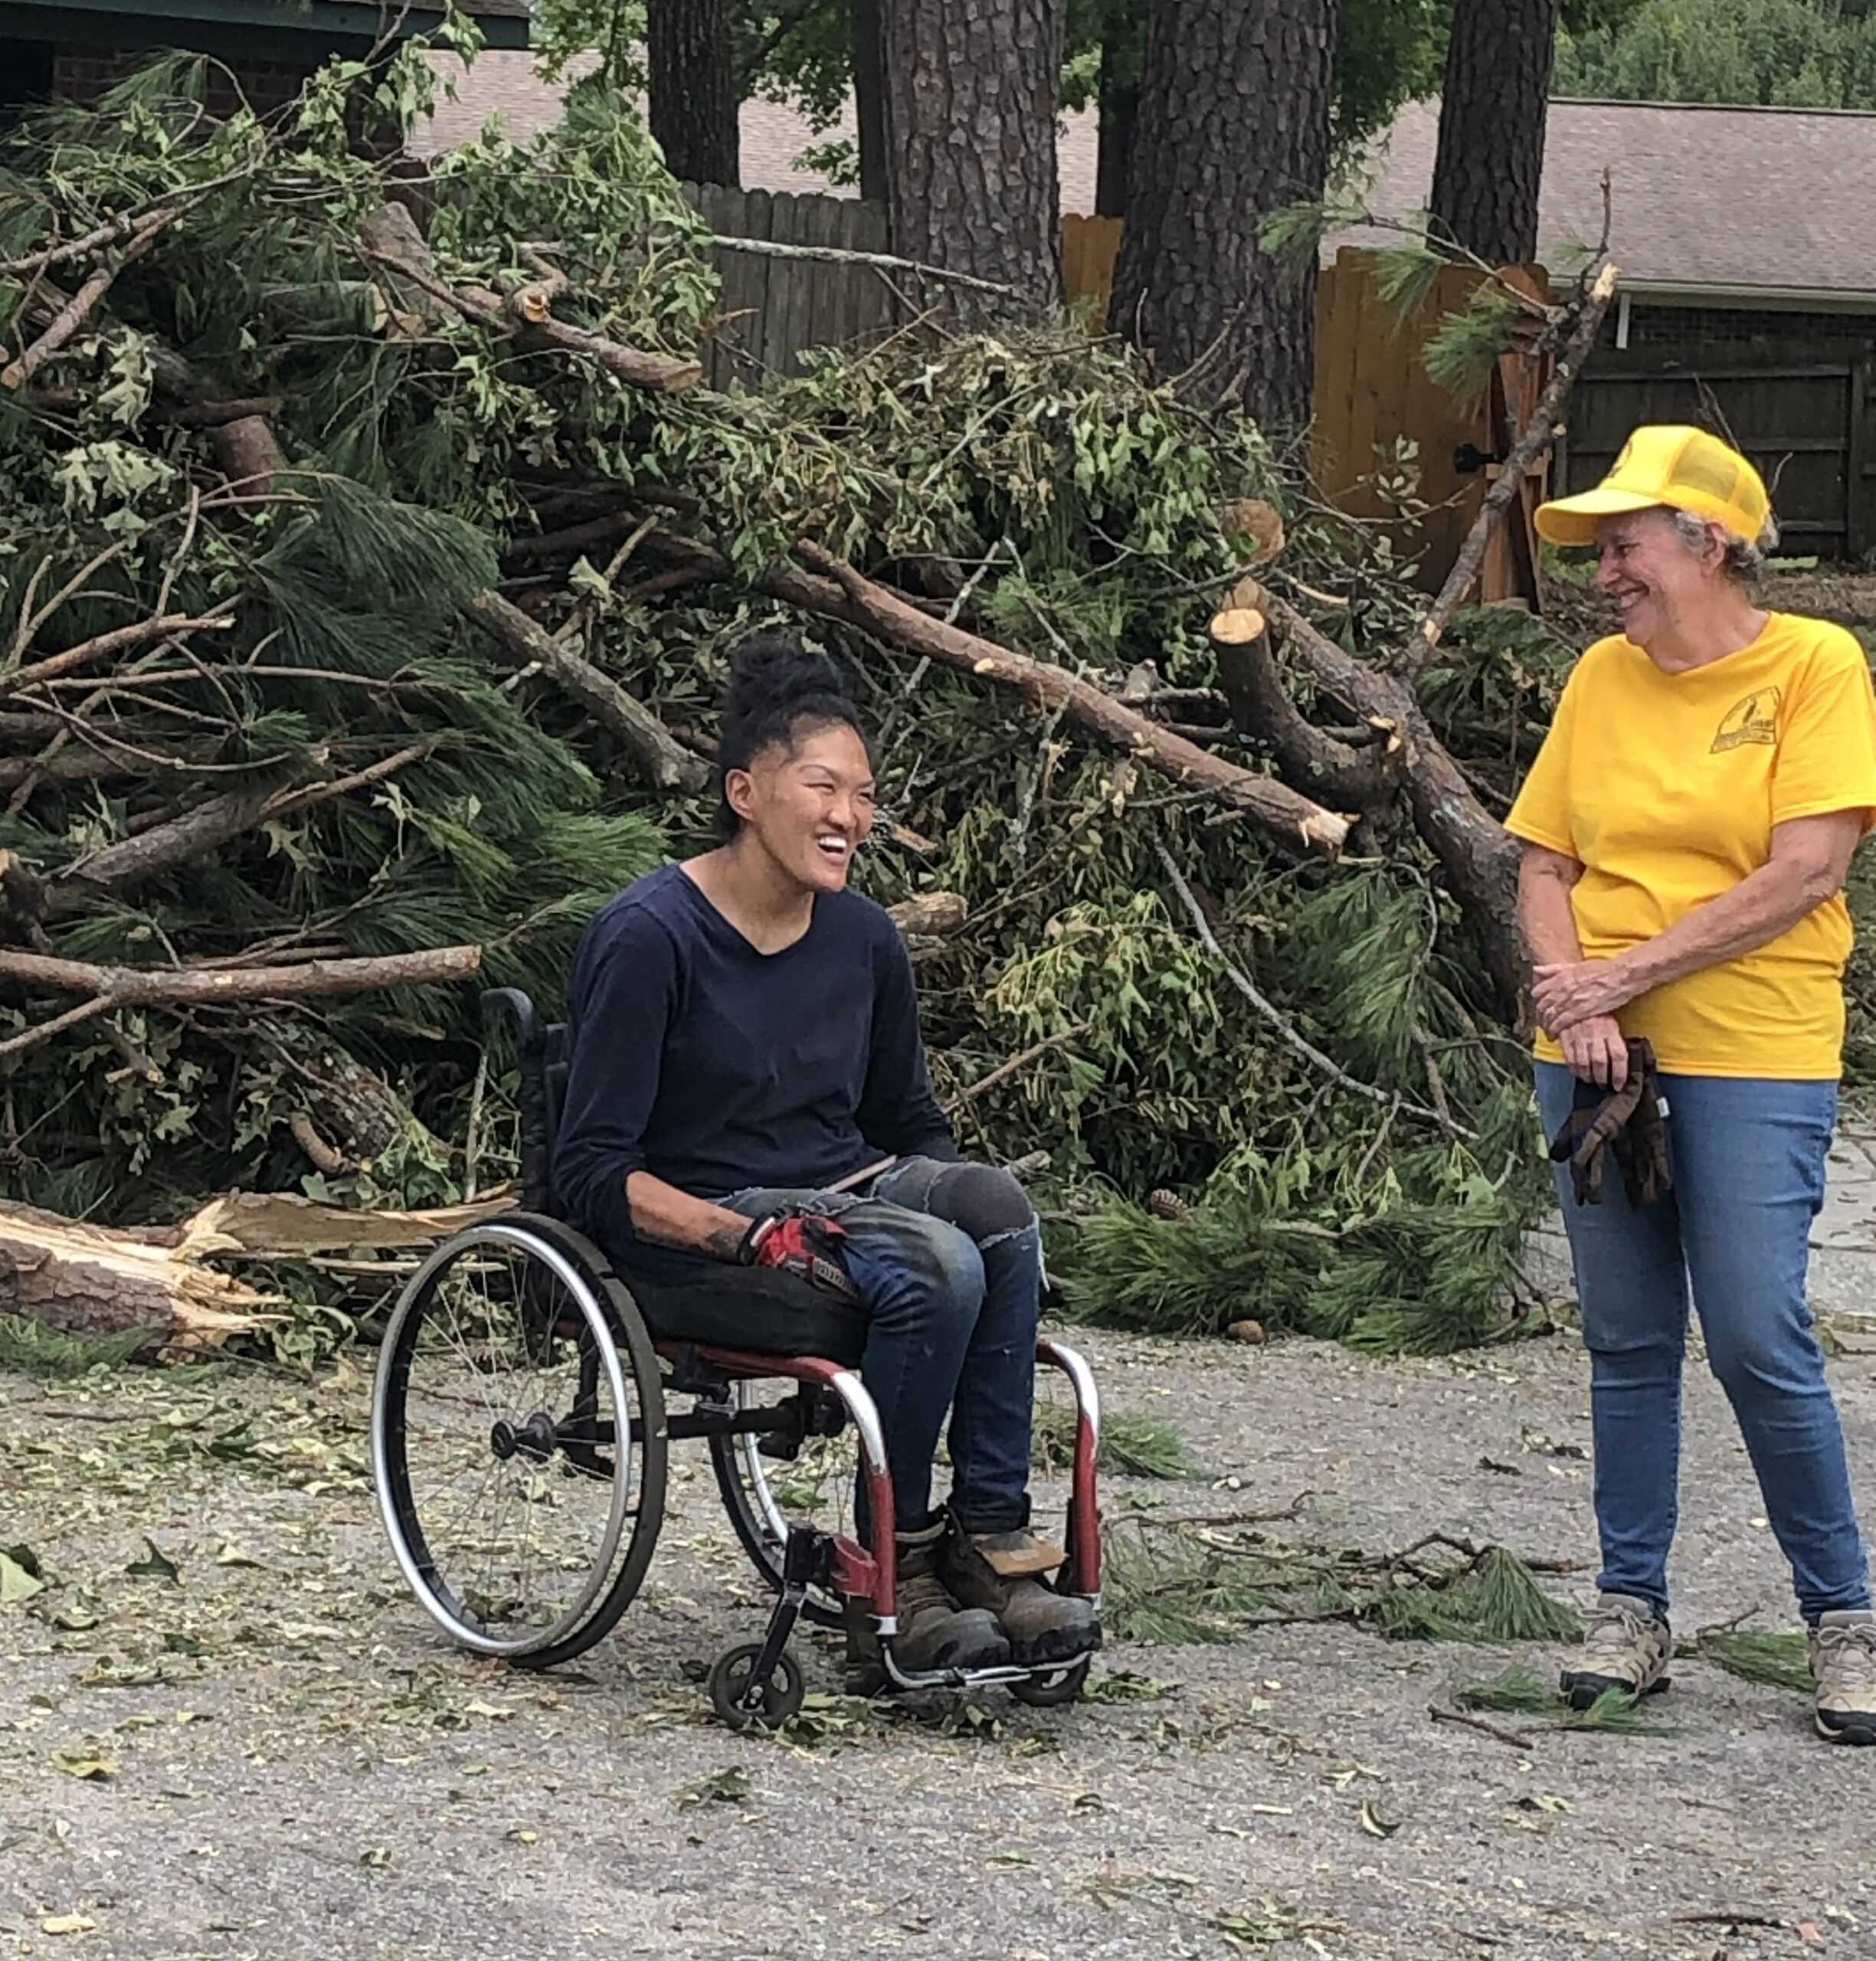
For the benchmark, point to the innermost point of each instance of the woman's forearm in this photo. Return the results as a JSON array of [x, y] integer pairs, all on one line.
[[668, 1217], [1544, 916], [1763, 904]]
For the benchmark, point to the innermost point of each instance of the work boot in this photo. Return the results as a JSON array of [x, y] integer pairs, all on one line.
[[934, 1632], [1626, 1645], [1005, 1573], [1843, 1658]]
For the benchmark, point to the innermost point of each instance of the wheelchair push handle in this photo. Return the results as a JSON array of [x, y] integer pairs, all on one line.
[[531, 1053]]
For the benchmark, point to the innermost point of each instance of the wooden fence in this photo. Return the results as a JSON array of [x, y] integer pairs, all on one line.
[[1372, 388], [1807, 425], [775, 309]]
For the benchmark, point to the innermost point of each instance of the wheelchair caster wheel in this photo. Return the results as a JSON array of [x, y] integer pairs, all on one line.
[[1052, 1690], [741, 1706]]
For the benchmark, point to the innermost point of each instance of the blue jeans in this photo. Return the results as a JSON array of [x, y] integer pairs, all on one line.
[[949, 1259], [1748, 1155]]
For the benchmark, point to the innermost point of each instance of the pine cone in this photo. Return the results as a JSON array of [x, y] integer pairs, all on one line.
[[1163, 1204]]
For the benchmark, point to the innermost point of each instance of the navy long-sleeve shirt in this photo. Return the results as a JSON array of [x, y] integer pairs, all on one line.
[[717, 1067]]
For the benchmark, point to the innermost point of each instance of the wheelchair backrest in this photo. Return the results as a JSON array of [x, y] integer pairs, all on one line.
[[541, 1054]]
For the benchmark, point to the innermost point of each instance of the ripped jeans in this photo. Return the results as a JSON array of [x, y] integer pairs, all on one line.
[[948, 1258]]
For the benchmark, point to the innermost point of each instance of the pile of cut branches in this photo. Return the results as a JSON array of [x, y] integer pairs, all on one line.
[[369, 558]]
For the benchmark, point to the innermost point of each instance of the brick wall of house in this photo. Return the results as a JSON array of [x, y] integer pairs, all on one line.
[[82, 74]]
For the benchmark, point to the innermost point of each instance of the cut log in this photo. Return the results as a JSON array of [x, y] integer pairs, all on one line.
[[280, 1226], [932, 915], [86, 1280]]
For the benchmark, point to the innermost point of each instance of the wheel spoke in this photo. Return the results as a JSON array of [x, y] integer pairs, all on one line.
[[508, 1540]]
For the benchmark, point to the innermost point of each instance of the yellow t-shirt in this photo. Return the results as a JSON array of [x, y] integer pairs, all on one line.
[[1665, 788]]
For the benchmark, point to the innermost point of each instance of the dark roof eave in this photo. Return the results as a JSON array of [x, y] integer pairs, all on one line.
[[261, 27], [1710, 292]]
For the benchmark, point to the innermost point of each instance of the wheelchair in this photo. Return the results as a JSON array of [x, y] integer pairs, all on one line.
[[522, 1414]]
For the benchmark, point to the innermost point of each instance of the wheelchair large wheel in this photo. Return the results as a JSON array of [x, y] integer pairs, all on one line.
[[765, 1495], [517, 1439]]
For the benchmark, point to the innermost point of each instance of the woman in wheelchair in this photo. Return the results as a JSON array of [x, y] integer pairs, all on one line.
[[744, 1052]]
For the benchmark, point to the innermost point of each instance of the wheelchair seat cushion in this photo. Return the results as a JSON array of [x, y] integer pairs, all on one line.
[[772, 1313]]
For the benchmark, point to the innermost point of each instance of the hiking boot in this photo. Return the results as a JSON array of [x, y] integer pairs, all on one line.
[[934, 1632], [1843, 1658], [1005, 1573], [1626, 1645]]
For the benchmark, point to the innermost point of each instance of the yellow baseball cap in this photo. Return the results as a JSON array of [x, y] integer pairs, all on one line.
[[1665, 464]]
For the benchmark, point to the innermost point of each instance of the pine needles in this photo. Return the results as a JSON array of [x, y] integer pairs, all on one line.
[[1130, 1446], [1754, 1654], [1177, 1585], [1520, 1691], [35, 1348]]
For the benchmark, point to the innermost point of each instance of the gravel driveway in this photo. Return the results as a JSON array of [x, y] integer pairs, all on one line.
[[271, 1754]]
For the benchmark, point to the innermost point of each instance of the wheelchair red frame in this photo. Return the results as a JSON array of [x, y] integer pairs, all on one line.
[[755, 1683]]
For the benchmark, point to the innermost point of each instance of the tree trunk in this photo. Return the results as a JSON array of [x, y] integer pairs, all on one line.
[[1121, 49], [690, 62], [85, 1281], [869, 96], [970, 143], [1234, 124], [1490, 161]]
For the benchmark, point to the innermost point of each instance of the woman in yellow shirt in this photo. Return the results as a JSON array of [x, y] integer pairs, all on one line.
[[1688, 825]]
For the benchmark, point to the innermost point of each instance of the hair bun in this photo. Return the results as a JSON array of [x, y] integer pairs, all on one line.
[[768, 673]]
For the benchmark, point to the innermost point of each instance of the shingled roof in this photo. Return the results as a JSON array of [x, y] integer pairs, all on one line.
[[1765, 203]]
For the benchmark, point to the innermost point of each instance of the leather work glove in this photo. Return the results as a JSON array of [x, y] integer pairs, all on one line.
[[1629, 1121], [807, 1244]]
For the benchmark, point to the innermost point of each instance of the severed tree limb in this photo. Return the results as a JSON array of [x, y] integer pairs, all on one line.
[[217, 414], [105, 647], [842, 593], [1533, 440], [86, 1280], [665, 761], [389, 238], [1327, 1064], [844, 255], [1014, 1065], [1345, 778], [931, 915], [1478, 855], [110, 987], [221, 818], [71, 317]]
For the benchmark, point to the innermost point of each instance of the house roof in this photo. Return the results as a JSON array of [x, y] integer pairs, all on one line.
[[1704, 200], [251, 25]]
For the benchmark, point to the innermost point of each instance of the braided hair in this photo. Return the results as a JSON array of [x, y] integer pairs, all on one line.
[[779, 691]]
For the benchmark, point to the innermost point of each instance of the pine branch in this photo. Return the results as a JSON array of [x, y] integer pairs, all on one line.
[[66, 322], [665, 761], [142, 986], [1325, 1065], [842, 593], [1533, 441], [103, 646], [526, 314]]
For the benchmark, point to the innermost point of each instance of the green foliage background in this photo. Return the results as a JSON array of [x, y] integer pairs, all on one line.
[[1095, 509]]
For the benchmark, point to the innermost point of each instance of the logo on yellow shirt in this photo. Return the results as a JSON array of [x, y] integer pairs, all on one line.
[[1755, 720]]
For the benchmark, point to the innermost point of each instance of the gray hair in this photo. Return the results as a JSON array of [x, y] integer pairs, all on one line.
[[1745, 559]]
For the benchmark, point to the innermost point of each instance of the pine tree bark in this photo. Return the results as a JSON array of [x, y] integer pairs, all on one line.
[[869, 96], [690, 72], [1234, 124], [971, 141], [1489, 165]]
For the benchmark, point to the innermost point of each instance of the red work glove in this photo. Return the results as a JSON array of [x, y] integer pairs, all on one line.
[[805, 1243]]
